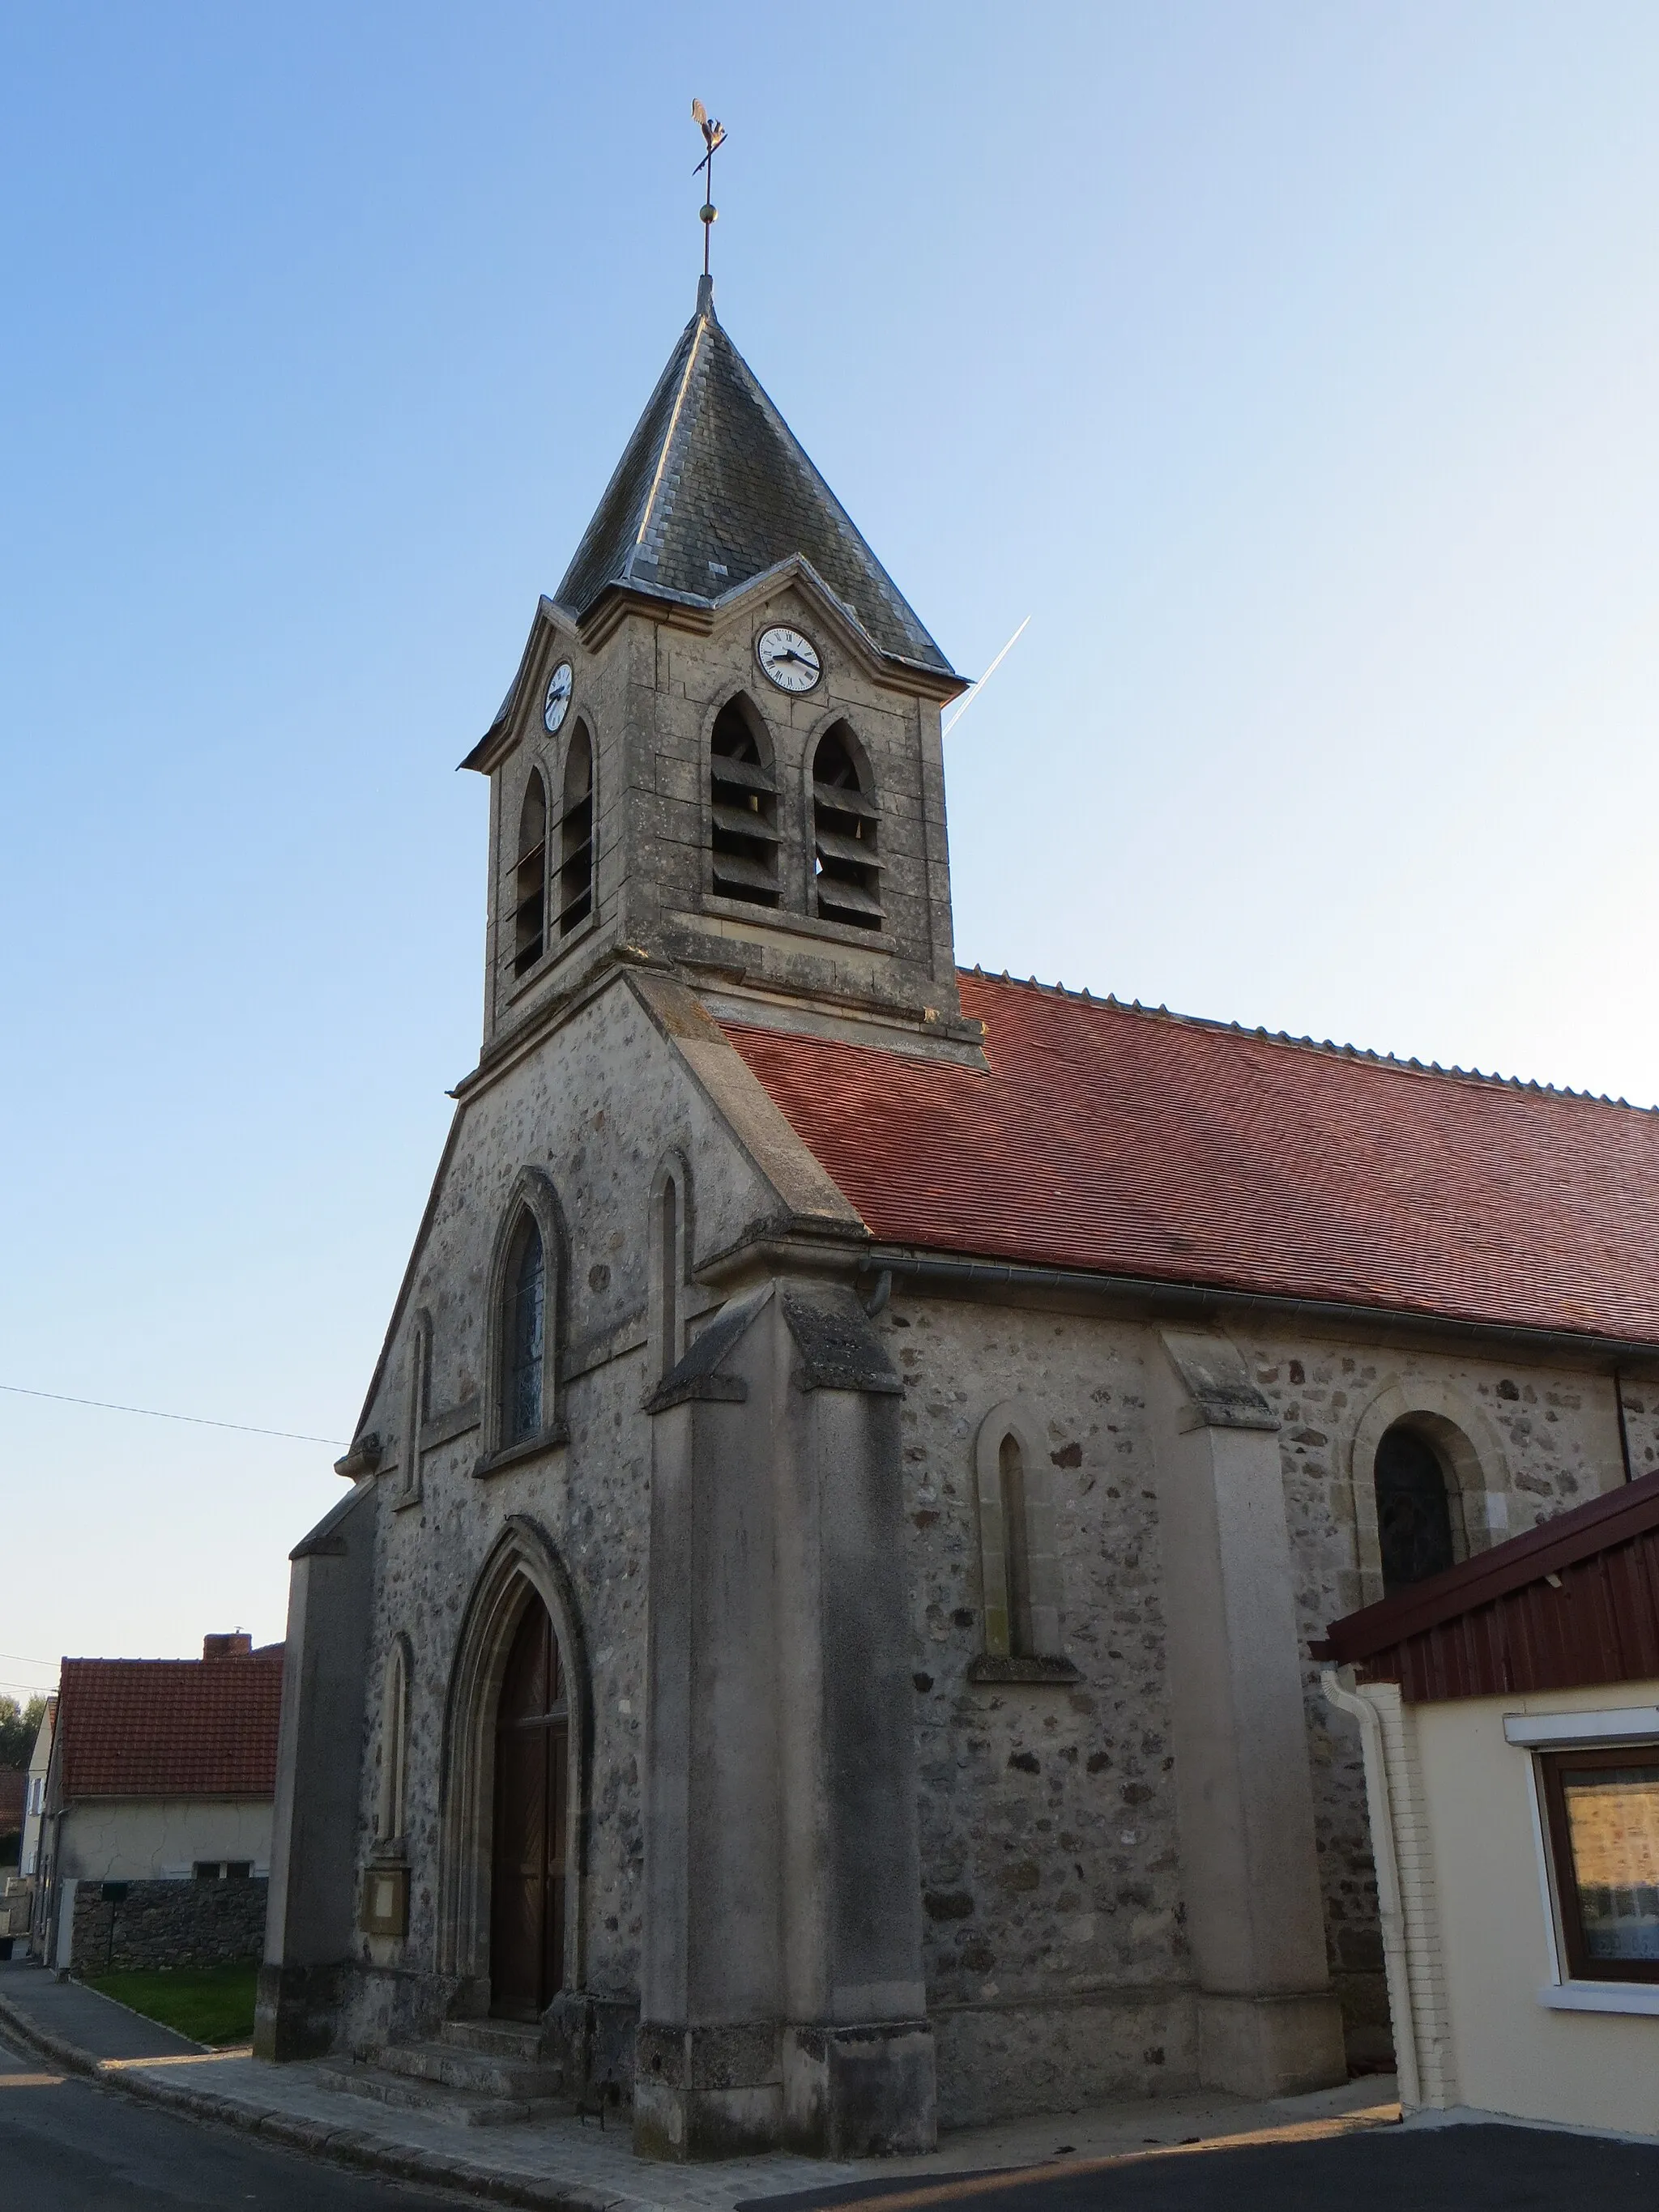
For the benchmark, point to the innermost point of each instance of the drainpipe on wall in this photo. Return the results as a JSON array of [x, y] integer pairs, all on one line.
[[1390, 1908]]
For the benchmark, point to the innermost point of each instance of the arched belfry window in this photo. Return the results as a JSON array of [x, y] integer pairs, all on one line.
[[576, 899], [524, 1335], [743, 804], [1414, 1509], [529, 878], [846, 872]]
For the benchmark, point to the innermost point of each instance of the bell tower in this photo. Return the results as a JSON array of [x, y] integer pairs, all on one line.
[[720, 753]]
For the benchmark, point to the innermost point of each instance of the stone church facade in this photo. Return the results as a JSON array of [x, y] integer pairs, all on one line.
[[816, 1644]]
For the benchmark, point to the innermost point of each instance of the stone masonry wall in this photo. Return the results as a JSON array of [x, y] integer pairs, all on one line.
[[1056, 1957], [597, 1112], [148, 1925]]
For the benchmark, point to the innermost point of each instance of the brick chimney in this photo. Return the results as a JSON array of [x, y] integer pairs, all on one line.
[[236, 1645]]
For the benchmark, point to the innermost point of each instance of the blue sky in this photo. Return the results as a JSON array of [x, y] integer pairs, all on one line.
[[1290, 366]]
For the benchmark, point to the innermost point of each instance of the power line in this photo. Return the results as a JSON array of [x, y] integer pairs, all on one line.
[[150, 1413]]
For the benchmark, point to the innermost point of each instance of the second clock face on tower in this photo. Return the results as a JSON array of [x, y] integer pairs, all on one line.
[[789, 659], [556, 705]]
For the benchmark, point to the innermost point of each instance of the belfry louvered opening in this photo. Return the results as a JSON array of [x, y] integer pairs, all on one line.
[[743, 795], [846, 872], [576, 834], [530, 879]]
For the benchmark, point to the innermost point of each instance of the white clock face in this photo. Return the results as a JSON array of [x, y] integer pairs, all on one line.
[[556, 705], [789, 659]]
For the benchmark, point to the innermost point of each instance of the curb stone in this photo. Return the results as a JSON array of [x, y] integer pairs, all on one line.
[[342, 2146]]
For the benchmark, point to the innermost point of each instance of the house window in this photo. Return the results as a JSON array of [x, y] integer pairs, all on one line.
[[744, 810], [530, 879], [1414, 1510], [576, 835], [1602, 1810], [523, 1337], [846, 874]]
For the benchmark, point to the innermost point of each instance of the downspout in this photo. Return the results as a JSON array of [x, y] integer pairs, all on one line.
[[1624, 1433], [1390, 1908]]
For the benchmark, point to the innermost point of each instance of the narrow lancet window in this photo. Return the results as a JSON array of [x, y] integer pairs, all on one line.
[[576, 835], [668, 1262], [524, 1339], [530, 879], [846, 872], [743, 792], [392, 1818], [1017, 1541], [1413, 1511]]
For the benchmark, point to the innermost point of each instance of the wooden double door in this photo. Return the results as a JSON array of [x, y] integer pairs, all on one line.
[[526, 1898]]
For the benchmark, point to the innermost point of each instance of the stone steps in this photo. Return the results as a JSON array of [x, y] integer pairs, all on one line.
[[478, 2074]]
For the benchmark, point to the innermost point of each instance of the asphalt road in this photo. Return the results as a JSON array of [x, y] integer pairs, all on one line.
[[1451, 2169], [69, 2145]]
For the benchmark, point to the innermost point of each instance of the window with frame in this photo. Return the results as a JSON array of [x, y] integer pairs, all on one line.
[[1601, 1809]]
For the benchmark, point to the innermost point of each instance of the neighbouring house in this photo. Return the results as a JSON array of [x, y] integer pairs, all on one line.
[[1508, 1713], [34, 1804], [155, 1826]]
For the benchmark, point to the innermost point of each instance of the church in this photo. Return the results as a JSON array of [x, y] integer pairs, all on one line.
[[815, 1646]]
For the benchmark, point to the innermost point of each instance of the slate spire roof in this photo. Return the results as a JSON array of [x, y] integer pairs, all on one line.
[[714, 488]]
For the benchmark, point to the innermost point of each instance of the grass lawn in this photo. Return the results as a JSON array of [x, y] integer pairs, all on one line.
[[210, 2004]]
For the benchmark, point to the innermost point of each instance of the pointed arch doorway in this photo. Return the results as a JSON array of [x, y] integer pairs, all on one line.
[[528, 1832]]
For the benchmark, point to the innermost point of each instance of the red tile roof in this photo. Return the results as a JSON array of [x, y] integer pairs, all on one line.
[[1142, 1144], [169, 1727]]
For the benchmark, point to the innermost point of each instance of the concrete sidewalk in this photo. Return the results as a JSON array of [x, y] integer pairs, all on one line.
[[575, 2166]]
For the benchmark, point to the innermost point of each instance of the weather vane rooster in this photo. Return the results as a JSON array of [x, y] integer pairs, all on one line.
[[714, 134]]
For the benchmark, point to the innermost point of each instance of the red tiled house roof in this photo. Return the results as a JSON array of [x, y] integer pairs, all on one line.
[[168, 1728], [1143, 1144]]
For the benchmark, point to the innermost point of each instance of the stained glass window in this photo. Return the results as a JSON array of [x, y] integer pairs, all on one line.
[[1414, 1515], [526, 1317]]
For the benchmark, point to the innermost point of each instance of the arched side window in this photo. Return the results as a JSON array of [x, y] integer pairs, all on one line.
[[524, 1334], [743, 810], [1414, 1509], [576, 899], [846, 872], [529, 878], [417, 1409], [671, 1255], [523, 1310], [1020, 1567], [391, 1813]]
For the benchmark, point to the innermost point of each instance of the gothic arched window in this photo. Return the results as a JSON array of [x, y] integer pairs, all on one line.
[[744, 805], [529, 878], [576, 834], [1016, 1546], [846, 872], [1414, 1510], [524, 1335], [392, 1818]]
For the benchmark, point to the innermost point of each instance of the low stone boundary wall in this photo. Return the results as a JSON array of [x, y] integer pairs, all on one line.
[[165, 1923]]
